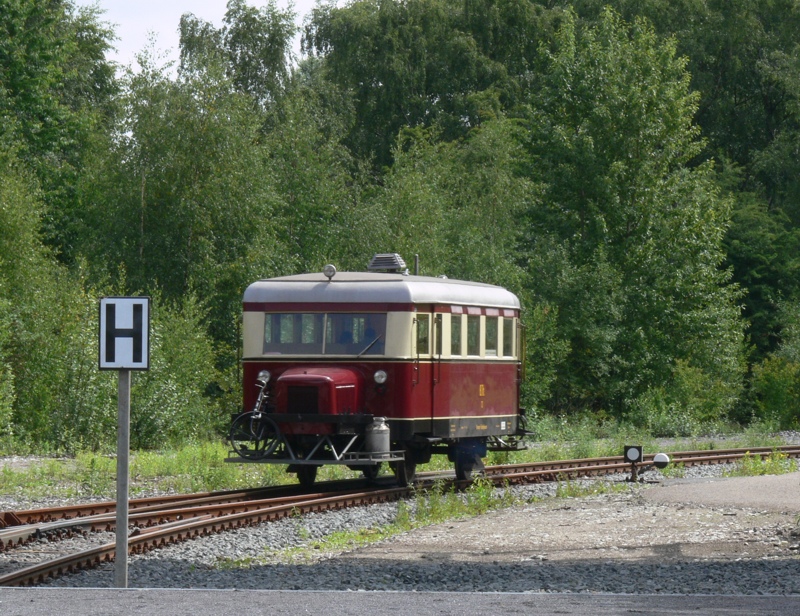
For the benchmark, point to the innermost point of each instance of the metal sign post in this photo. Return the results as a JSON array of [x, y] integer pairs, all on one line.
[[124, 346], [123, 474]]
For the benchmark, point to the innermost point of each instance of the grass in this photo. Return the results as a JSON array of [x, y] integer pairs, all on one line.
[[194, 468], [580, 489], [201, 467]]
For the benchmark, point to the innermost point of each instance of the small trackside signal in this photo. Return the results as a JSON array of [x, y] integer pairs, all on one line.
[[661, 460], [634, 454]]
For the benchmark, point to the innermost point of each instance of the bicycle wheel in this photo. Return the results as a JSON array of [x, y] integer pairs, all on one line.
[[254, 436]]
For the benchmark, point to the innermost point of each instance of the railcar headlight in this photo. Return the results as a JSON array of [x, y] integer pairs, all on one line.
[[380, 377], [329, 271], [263, 378]]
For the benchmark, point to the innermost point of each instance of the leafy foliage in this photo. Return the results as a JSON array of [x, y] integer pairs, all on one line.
[[254, 44], [169, 404], [626, 239], [630, 172]]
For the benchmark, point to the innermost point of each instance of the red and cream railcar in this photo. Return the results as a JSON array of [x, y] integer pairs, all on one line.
[[361, 368]]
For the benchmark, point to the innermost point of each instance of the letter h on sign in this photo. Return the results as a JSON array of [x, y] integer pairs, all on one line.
[[125, 333]]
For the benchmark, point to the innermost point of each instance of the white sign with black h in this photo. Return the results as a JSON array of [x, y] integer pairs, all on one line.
[[125, 333]]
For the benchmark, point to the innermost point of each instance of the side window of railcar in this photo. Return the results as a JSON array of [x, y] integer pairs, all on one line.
[[455, 334], [508, 337], [423, 334], [473, 335], [491, 336]]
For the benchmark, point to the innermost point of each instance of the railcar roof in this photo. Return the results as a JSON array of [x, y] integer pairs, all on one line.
[[367, 287]]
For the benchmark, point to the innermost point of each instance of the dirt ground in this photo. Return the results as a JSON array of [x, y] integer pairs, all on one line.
[[675, 521]]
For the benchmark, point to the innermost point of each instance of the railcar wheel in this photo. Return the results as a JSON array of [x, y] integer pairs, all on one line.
[[468, 466], [463, 470], [404, 471], [371, 472], [254, 436], [307, 475]]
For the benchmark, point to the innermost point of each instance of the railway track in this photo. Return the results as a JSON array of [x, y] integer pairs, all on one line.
[[160, 521]]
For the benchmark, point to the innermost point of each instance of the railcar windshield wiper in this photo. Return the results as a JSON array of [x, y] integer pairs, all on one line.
[[369, 346]]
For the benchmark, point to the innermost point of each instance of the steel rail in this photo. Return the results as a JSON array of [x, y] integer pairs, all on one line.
[[66, 512], [153, 515], [197, 526], [611, 463]]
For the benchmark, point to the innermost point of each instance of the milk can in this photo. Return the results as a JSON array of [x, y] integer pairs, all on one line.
[[376, 436]]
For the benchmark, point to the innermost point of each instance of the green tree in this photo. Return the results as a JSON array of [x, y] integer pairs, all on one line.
[[424, 63], [255, 45], [744, 59], [317, 183], [183, 199], [626, 240], [56, 92], [170, 404], [456, 204]]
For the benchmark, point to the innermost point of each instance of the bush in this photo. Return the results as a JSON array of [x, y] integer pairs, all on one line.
[[776, 387], [168, 403], [693, 401], [7, 395]]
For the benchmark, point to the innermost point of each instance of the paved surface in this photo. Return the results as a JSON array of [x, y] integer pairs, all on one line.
[[769, 492], [78, 602], [775, 493]]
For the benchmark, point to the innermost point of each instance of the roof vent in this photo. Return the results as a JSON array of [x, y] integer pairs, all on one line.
[[387, 262]]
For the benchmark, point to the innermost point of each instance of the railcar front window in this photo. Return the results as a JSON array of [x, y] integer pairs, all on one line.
[[324, 334], [355, 334], [293, 333]]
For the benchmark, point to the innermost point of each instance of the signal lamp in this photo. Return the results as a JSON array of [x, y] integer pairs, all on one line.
[[660, 460], [633, 453]]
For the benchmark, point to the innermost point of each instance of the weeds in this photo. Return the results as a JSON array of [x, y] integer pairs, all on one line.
[[776, 463], [579, 489], [433, 506]]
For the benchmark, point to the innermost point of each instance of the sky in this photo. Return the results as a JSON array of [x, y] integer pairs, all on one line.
[[132, 20]]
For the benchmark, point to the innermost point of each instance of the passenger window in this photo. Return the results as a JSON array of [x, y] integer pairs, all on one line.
[[491, 336], [508, 337], [473, 335], [437, 340], [455, 334], [423, 334]]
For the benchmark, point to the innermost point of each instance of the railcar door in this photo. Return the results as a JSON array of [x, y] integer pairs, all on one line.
[[423, 407], [438, 402]]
